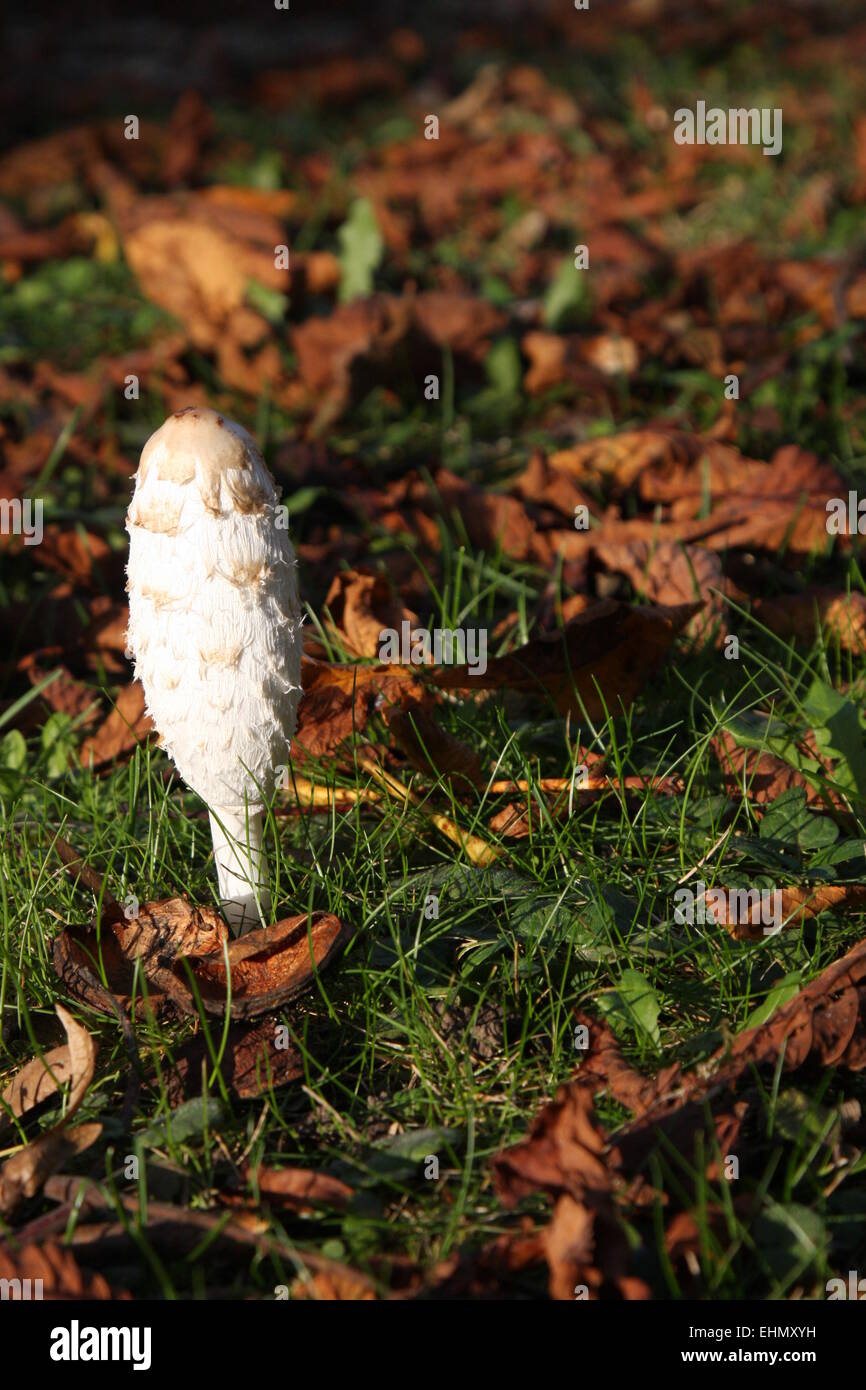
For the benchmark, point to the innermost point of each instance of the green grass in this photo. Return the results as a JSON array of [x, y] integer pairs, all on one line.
[[555, 924]]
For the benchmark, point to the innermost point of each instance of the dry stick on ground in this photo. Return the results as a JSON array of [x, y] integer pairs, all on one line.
[[319, 798], [476, 849], [171, 1229]]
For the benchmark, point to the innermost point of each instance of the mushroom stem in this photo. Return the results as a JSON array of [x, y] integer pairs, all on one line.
[[242, 868]]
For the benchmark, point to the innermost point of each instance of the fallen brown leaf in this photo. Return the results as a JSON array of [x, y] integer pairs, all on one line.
[[824, 1024], [670, 574], [800, 615], [430, 748], [763, 777], [611, 645], [339, 699], [127, 725], [550, 489], [57, 1272], [361, 606], [272, 965], [64, 694], [378, 341], [23, 1174], [484, 1273], [176, 1231], [798, 905], [250, 1066], [80, 556], [565, 1155], [169, 938], [195, 256], [302, 1189], [36, 1081], [336, 1285]]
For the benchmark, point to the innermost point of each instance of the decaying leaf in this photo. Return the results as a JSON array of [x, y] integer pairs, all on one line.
[[176, 1231], [796, 905], [272, 965], [502, 1264], [671, 574], [125, 726], [23, 1174], [338, 700], [334, 1285], [379, 340], [430, 748], [362, 607], [763, 777], [255, 1059], [299, 1188], [610, 648], [799, 615], [36, 1081], [565, 1156], [52, 1270], [170, 938], [196, 256]]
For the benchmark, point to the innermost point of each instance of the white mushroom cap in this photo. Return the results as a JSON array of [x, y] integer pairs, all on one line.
[[214, 619]]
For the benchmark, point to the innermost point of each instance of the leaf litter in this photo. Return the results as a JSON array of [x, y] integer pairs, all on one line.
[[560, 399]]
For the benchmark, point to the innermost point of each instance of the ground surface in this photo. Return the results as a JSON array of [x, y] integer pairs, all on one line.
[[615, 476]]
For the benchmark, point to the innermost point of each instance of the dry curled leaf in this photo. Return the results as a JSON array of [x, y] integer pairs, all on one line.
[[171, 938], [161, 932], [36, 1081], [551, 491], [255, 1060], [824, 1024], [54, 1271], [611, 647], [301, 1189], [23, 1174], [272, 965], [361, 607], [796, 905], [126, 726], [338, 700], [566, 1156]]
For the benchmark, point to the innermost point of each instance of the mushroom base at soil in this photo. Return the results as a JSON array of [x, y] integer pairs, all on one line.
[[242, 869]]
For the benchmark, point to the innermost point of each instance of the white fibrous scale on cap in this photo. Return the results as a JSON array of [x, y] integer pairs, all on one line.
[[215, 630]]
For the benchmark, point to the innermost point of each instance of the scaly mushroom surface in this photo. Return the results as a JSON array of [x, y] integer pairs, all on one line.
[[215, 632]]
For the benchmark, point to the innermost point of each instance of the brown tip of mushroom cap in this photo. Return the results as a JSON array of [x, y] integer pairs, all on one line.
[[198, 442], [196, 436]]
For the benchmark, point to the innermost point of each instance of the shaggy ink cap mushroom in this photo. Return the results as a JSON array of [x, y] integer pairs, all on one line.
[[215, 631]]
